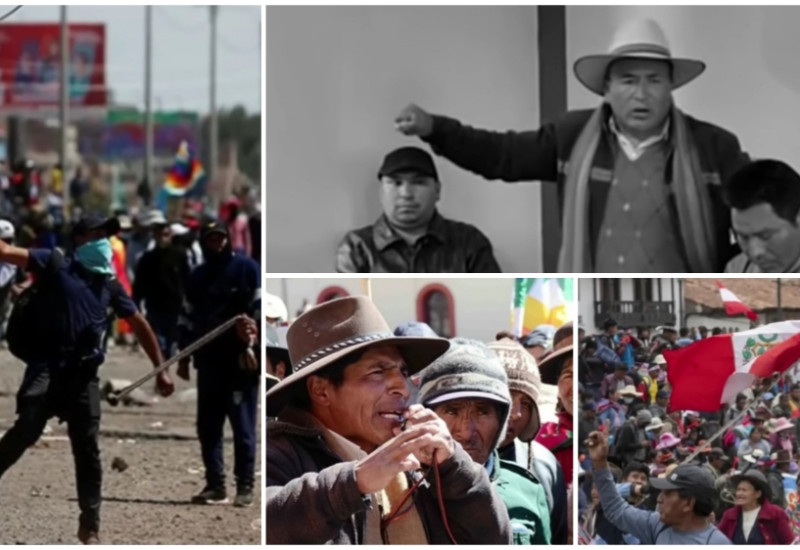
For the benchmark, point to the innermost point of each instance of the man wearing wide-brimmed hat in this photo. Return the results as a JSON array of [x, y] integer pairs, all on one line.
[[348, 445], [639, 181]]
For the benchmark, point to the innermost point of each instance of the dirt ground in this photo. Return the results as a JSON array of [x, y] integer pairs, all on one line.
[[148, 503]]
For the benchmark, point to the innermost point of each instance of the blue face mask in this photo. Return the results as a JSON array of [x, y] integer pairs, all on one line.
[[95, 256]]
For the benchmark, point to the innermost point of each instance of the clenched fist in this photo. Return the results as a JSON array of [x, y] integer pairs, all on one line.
[[414, 121]]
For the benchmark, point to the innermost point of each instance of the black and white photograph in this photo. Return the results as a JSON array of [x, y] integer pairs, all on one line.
[[639, 139]]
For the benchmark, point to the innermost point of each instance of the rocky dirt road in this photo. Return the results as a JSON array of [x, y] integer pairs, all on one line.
[[147, 503]]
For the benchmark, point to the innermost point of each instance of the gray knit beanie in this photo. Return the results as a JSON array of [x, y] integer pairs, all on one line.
[[523, 376], [468, 370]]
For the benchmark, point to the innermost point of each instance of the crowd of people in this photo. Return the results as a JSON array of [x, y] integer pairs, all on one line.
[[380, 436], [144, 280], [652, 475]]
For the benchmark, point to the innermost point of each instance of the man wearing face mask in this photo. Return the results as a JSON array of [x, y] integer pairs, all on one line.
[[66, 310], [224, 286], [160, 282]]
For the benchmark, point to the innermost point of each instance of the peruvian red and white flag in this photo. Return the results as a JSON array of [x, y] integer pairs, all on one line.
[[712, 371], [733, 305]]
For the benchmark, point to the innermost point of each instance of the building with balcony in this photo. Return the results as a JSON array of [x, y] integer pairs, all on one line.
[[631, 302]]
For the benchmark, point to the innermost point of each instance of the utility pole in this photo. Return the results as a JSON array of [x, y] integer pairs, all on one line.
[[148, 95], [213, 137], [64, 112], [780, 308]]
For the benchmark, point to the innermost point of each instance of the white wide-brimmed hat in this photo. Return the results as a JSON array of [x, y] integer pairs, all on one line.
[[642, 39]]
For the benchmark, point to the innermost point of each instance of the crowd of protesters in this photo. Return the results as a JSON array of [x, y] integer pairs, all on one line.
[[471, 407], [652, 475]]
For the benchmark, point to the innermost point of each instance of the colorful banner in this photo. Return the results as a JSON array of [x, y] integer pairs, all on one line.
[[122, 135], [792, 504], [30, 65]]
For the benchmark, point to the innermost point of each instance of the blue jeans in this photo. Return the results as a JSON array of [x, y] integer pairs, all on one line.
[[225, 391]]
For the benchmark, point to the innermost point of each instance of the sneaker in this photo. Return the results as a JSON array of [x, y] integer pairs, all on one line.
[[244, 497], [88, 536], [211, 495]]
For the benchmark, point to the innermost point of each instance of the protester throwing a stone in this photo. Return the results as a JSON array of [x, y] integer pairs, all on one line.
[[344, 458], [57, 328], [685, 503]]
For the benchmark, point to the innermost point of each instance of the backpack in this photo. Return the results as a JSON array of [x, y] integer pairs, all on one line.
[[24, 331]]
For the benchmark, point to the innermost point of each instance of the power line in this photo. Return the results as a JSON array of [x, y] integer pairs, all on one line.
[[10, 12]]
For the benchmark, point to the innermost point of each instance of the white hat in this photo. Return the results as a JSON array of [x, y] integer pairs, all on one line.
[[655, 424], [6, 230], [643, 39], [274, 308], [178, 229]]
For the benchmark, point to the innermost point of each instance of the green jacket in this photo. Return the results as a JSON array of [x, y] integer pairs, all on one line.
[[525, 501]]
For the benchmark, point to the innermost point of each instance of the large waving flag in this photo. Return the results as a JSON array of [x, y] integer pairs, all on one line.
[[541, 301], [711, 372], [186, 172], [733, 305]]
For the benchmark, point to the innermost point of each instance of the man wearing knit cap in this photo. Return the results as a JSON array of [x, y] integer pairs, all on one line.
[[519, 445], [468, 389], [638, 180]]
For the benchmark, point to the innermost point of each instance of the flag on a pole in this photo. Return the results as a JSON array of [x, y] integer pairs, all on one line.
[[733, 305], [185, 174], [540, 301], [712, 371]]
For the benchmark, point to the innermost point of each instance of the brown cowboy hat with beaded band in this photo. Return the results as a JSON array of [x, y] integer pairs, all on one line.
[[338, 328]]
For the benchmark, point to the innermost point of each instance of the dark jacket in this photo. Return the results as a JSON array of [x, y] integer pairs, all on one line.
[[161, 278], [772, 523], [448, 247], [542, 155], [312, 496]]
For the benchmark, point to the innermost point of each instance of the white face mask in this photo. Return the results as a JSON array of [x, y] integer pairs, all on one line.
[[628, 400]]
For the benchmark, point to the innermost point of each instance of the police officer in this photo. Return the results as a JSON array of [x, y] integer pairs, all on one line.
[[225, 285], [61, 377]]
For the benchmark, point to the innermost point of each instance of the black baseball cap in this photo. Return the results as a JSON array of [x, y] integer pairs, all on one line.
[[91, 222], [276, 350], [409, 159], [687, 476]]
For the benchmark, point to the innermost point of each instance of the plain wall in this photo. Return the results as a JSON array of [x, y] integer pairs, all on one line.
[[751, 85], [336, 78]]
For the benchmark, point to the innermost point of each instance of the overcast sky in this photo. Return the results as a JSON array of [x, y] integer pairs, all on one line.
[[181, 49]]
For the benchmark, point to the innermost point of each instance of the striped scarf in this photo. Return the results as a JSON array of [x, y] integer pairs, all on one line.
[[692, 202]]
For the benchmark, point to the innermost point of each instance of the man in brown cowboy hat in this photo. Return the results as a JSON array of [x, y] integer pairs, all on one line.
[[348, 445], [639, 181]]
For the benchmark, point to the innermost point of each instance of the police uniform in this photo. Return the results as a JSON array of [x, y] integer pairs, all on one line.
[[224, 286], [60, 378]]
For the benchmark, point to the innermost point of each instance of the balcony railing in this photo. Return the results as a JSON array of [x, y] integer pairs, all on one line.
[[632, 313]]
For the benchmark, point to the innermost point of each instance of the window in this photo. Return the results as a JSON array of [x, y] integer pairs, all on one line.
[[331, 293], [609, 290], [436, 308], [643, 290]]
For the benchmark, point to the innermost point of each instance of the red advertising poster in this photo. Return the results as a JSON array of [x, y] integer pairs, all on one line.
[[30, 65]]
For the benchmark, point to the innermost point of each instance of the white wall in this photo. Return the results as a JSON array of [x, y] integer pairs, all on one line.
[[482, 306], [696, 320], [752, 83], [337, 76]]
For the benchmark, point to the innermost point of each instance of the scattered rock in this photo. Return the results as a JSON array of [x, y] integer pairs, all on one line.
[[119, 465]]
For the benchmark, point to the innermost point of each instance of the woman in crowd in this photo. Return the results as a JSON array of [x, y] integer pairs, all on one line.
[[753, 519]]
